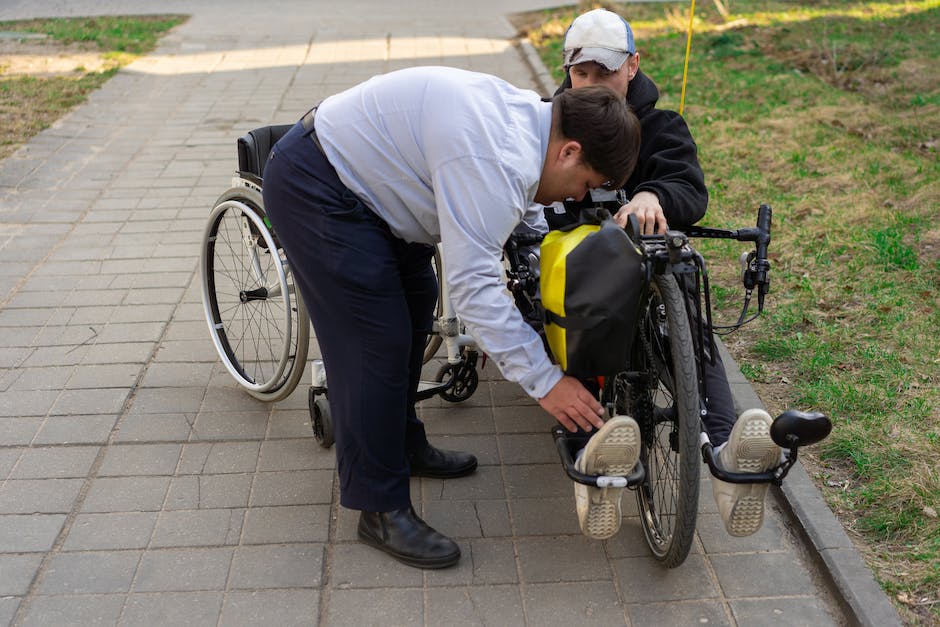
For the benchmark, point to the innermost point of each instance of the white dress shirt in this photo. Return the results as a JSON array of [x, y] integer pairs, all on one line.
[[451, 156]]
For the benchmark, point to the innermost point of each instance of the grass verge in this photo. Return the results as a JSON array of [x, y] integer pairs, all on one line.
[[29, 104], [830, 112]]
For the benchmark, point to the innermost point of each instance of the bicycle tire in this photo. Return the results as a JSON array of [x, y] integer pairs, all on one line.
[[256, 317], [661, 392], [434, 340]]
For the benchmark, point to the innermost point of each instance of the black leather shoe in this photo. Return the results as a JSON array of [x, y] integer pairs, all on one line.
[[439, 464], [408, 539]]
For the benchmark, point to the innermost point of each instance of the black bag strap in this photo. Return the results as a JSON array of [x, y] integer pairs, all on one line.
[[578, 323]]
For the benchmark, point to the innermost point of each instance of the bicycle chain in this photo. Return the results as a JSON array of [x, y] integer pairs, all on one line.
[[641, 395]]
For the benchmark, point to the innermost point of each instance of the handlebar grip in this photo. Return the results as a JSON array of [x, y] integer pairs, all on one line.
[[764, 219]]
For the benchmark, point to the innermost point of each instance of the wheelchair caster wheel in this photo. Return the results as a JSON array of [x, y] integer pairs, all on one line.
[[465, 381], [321, 419]]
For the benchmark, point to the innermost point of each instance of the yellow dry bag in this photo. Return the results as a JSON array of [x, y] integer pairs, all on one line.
[[592, 280]]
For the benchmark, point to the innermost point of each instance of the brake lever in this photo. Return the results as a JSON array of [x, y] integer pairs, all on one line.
[[747, 273]]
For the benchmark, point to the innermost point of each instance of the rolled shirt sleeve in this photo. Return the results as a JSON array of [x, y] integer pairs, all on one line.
[[472, 237]]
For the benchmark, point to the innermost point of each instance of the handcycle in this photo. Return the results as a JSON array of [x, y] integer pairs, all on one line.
[[662, 386], [256, 316]]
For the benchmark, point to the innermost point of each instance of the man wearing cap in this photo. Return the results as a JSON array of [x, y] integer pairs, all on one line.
[[667, 188]]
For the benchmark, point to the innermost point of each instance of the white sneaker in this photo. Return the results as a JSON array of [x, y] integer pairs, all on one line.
[[749, 449], [612, 451]]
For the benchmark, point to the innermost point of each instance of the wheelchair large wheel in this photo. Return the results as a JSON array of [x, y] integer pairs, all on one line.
[[661, 392], [256, 317], [434, 339]]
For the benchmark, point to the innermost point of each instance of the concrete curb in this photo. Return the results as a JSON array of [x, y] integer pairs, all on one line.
[[852, 582]]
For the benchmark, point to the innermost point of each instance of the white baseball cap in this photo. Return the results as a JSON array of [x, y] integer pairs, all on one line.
[[601, 36]]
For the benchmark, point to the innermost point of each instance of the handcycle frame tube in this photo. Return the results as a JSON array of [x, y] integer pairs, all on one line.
[[774, 475]]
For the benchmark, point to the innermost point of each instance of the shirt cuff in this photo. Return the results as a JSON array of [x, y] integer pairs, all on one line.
[[541, 381]]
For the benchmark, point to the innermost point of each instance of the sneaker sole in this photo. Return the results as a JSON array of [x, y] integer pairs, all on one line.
[[756, 453], [616, 455], [747, 515], [603, 515]]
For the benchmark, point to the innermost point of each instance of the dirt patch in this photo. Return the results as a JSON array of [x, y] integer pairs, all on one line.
[[41, 79], [47, 57], [928, 252]]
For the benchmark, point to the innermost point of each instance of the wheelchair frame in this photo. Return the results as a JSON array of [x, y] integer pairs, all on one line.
[[256, 315]]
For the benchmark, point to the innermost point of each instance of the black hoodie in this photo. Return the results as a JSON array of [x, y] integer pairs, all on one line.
[[668, 162]]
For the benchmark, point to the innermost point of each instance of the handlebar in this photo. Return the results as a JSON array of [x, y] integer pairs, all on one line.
[[764, 215], [669, 251], [759, 234], [790, 430], [755, 264]]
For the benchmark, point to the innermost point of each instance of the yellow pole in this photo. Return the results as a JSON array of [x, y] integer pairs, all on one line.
[[688, 49]]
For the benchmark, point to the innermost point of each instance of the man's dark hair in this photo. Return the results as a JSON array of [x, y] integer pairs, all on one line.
[[605, 126]]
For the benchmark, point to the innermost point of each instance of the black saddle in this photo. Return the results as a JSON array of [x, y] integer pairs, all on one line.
[[795, 428]]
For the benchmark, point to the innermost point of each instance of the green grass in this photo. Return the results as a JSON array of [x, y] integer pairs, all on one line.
[[29, 104], [829, 112], [131, 34]]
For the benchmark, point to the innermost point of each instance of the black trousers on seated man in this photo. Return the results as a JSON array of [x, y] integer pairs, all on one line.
[[371, 298]]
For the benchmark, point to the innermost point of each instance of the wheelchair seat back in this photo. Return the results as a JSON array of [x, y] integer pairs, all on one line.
[[255, 146]]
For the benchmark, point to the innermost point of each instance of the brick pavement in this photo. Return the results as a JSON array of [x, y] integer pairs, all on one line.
[[138, 485]]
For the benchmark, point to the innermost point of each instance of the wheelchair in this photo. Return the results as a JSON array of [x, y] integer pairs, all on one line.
[[257, 319]]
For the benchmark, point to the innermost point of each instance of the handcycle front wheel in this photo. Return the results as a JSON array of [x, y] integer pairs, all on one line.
[[660, 391], [256, 317]]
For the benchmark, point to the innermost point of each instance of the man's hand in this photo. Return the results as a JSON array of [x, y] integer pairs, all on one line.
[[645, 206], [572, 405]]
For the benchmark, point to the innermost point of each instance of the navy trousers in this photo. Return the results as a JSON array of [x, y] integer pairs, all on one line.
[[371, 299], [719, 404]]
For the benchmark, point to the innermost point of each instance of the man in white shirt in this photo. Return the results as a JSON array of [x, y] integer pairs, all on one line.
[[361, 189]]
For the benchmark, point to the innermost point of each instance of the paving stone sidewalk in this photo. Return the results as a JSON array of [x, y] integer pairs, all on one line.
[[139, 486]]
